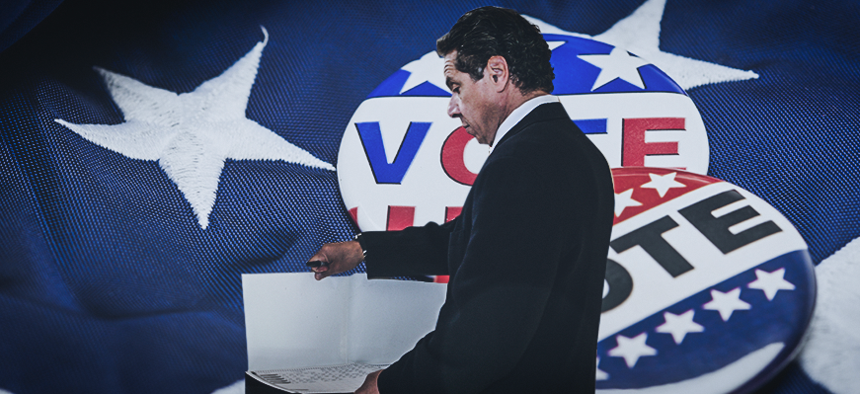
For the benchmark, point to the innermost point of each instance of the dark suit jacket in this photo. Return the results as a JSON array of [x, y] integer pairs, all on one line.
[[526, 258]]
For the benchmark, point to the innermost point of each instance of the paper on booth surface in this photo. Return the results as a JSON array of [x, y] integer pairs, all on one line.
[[294, 321]]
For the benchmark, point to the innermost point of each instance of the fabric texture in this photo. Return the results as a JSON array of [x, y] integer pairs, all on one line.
[[17, 17], [108, 284]]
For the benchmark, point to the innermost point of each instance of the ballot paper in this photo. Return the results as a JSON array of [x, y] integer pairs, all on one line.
[[320, 380], [300, 329]]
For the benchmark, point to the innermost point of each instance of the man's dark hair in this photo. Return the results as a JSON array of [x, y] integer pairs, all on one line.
[[489, 31]]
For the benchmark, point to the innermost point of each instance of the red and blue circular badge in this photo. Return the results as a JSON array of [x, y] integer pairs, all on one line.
[[708, 287], [403, 161]]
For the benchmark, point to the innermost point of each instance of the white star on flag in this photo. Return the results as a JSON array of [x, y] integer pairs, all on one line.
[[600, 375], [192, 134], [662, 183], [726, 303], [632, 348], [624, 200], [679, 325], [617, 64], [770, 282], [640, 33]]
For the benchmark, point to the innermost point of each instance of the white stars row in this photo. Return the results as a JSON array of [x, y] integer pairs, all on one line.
[[631, 349], [660, 183], [639, 32]]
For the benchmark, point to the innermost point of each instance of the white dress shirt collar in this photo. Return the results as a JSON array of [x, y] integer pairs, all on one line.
[[518, 114]]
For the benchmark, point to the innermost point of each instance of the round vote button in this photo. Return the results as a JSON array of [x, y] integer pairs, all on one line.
[[709, 289], [403, 161]]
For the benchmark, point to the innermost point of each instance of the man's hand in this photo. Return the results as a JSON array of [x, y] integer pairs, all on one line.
[[338, 257], [369, 386]]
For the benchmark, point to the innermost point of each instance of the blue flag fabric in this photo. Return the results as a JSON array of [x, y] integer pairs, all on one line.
[[120, 273], [20, 16]]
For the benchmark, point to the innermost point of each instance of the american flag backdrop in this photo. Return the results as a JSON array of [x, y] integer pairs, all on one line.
[[152, 152]]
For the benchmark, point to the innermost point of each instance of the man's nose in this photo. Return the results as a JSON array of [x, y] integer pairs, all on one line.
[[453, 108]]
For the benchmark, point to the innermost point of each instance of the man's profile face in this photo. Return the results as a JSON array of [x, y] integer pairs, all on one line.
[[474, 102]]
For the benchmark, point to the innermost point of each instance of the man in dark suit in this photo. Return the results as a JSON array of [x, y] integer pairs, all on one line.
[[527, 255]]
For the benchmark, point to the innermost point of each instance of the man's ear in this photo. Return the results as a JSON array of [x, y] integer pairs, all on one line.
[[497, 70]]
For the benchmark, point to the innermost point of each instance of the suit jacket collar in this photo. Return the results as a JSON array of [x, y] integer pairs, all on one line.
[[542, 112], [518, 114]]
